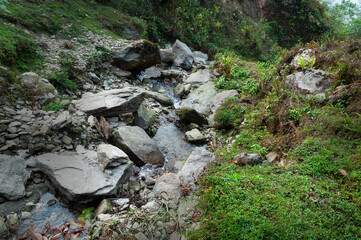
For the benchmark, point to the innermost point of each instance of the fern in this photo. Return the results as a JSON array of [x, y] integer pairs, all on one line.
[[313, 61], [303, 63]]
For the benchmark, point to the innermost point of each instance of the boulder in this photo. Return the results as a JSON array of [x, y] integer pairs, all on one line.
[[111, 102], [179, 90], [13, 176], [145, 117], [183, 56], [195, 136], [137, 56], [244, 159], [306, 55], [217, 101], [140, 148], [189, 115], [200, 77], [200, 58], [159, 97], [169, 185], [169, 73], [110, 156], [310, 81], [194, 165], [200, 98], [79, 177], [43, 91], [152, 72], [166, 56], [105, 206], [63, 120]]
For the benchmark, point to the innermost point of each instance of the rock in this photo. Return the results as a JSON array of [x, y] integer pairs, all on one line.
[[13, 176], [174, 165], [244, 159], [121, 73], [185, 211], [151, 206], [111, 102], [79, 177], [169, 227], [183, 56], [306, 55], [169, 185], [145, 117], [166, 56], [131, 33], [25, 216], [200, 98], [310, 81], [137, 56], [189, 115], [122, 203], [179, 90], [4, 232], [105, 206], [168, 73], [217, 101], [200, 58], [175, 236], [93, 77], [134, 187], [198, 78], [140, 236], [159, 97], [39, 87], [140, 148], [12, 222], [195, 136], [110, 156], [194, 165], [66, 140], [152, 72], [63, 120], [271, 157]]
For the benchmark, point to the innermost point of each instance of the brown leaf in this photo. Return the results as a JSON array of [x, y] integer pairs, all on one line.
[[313, 198], [97, 126], [67, 236], [343, 172], [105, 127], [56, 236], [36, 235]]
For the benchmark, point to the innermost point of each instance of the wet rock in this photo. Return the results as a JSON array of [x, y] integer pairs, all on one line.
[[140, 148], [183, 56], [168, 185], [189, 115], [79, 177], [159, 97], [137, 56], [200, 77], [244, 159], [176, 74], [195, 136], [217, 101], [39, 87], [105, 206], [13, 176], [194, 165], [110, 156], [200, 98], [4, 232], [145, 117], [166, 56], [179, 90], [12, 221], [110, 103], [310, 81]]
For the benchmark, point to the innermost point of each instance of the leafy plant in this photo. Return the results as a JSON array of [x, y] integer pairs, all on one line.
[[87, 214], [54, 106]]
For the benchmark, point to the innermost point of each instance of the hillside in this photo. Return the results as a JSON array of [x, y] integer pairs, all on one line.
[[169, 119]]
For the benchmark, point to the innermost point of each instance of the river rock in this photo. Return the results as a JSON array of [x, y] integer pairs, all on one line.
[[200, 98], [13, 176], [137, 56], [39, 87], [217, 101], [140, 148], [159, 97], [194, 165], [200, 58], [244, 159], [170, 73], [79, 177], [195, 136], [189, 115], [199, 78], [111, 102], [105, 206], [110, 156], [13, 222], [4, 232], [166, 55], [310, 81], [183, 56], [145, 117], [169, 185]]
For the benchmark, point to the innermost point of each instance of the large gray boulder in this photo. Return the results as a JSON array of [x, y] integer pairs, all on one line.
[[194, 165], [13, 176], [110, 156], [79, 176], [137, 56], [111, 102], [43, 91], [140, 148], [310, 81], [183, 56], [200, 98], [200, 77]]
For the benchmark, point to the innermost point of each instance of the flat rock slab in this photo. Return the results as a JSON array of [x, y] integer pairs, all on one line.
[[13, 176], [200, 77], [79, 177], [140, 148], [168, 185], [110, 103]]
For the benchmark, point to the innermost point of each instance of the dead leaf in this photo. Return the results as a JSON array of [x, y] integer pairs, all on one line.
[[105, 127], [97, 126], [343, 172], [36, 235], [56, 236], [67, 236], [313, 198]]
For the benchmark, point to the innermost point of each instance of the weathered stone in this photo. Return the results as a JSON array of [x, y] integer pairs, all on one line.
[[13, 176], [174, 165], [200, 58], [306, 55], [122, 203], [111, 102], [175, 236], [271, 157], [310, 81], [79, 177], [25, 216], [140, 148], [110, 156], [195, 136], [183, 56], [12, 222], [178, 75], [66, 140], [244, 159], [140, 236], [63, 120], [169, 227], [137, 56], [189, 115], [4, 232], [39, 87], [105, 206], [194, 165], [159, 97], [166, 56], [169, 185], [179, 90], [145, 117], [217, 101], [200, 77]]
